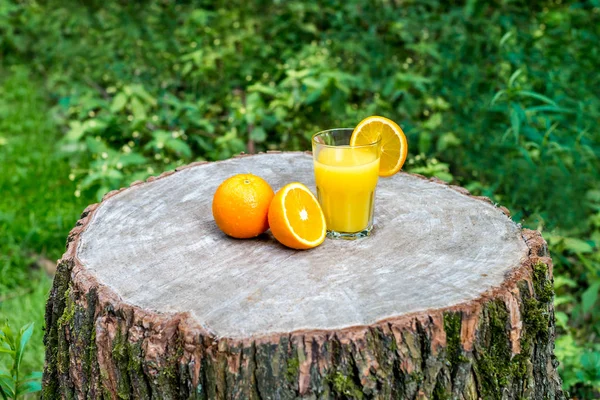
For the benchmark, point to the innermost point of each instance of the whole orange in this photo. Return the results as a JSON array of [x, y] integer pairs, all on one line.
[[241, 205]]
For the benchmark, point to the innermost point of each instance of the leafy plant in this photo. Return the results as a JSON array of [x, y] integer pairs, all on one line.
[[12, 384]]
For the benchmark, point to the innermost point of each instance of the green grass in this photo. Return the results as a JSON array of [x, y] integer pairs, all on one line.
[[37, 205], [27, 306]]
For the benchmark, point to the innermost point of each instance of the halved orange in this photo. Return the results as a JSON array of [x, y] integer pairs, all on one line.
[[296, 218], [394, 146]]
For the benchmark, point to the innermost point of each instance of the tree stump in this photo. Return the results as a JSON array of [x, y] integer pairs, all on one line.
[[448, 299]]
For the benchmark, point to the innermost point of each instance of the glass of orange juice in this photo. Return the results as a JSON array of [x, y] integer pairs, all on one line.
[[346, 177]]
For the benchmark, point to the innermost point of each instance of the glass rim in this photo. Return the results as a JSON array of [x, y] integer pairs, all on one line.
[[337, 146]]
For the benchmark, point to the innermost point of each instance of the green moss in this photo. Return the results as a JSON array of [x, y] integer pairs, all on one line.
[[121, 357], [536, 318], [292, 370], [541, 284], [63, 353], [119, 350], [374, 343], [134, 361], [394, 345], [50, 391], [345, 387], [169, 372], [168, 375], [54, 332], [106, 393], [440, 393], [519, 367], [443, 386], [88, 332], [69, 312], [50, 387], [493, 365], [91, 354], [93, 342], [136, 372], [416, 377], [452, 326]]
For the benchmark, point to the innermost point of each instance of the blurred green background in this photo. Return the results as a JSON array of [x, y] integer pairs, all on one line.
[[502, 97]]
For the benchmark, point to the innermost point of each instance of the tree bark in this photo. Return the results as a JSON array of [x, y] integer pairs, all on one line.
[[497, 345]]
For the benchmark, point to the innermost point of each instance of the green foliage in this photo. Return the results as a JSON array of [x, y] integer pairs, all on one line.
[[580, 366], [500, 97], [37, 206], [12, 384], [578, 307]]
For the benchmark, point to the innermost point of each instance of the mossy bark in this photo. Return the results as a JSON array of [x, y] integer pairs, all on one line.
[[499, 346]]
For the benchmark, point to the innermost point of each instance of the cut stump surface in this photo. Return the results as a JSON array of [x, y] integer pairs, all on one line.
[[448, 297]]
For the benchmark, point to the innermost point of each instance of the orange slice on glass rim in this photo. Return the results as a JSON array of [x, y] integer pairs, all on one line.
[[394, 146], [296, 218]]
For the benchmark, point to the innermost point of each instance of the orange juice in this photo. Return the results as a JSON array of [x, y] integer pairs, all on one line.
[[346, 178]]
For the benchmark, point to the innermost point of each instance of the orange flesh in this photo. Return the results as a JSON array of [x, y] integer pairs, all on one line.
[[301, 211]]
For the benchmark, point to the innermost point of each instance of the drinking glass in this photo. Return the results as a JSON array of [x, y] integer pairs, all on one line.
[[346, 177]]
